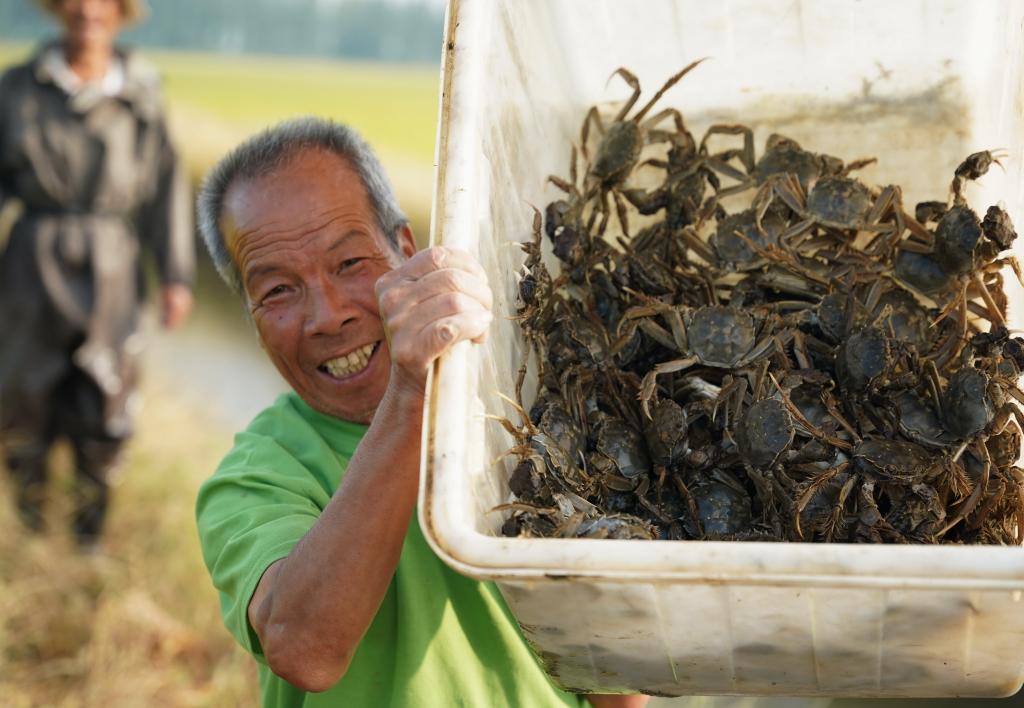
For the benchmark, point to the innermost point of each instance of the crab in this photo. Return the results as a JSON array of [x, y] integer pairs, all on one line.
[[974, 166], [918, 421], [619, 450], [863, 359], [782, 155], [681, 195], [738, 235], [965, 261], [714, 335], [618, 151], [829, 378], [975, 403], [665, 432], [765, 432], [721, 506], [549, 455], [835, 202]]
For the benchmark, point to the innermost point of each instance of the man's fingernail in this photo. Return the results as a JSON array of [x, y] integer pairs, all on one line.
[[448, 332]]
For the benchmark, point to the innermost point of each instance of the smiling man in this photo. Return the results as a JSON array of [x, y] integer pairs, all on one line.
[[308, 526]]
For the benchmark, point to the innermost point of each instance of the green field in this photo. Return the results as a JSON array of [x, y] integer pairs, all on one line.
[[395, 107], [215, 101]]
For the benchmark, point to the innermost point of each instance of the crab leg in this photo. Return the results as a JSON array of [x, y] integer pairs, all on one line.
[[810, 427], [621, 212], [746, 155], [567, 187], [677, 120], [993, 313], [634, 83], [649, 385], [668, 84], [592, 117], [972, 501]]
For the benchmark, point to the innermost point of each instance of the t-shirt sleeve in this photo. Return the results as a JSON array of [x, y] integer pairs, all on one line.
[[252, 512]]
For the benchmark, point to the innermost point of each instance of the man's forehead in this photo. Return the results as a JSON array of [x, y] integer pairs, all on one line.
[[310, 182], [310, 176]]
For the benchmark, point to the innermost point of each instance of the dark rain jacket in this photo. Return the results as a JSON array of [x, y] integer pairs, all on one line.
[[96, 181]]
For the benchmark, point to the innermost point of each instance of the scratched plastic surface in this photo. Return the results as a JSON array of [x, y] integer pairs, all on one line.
[[918, 85]]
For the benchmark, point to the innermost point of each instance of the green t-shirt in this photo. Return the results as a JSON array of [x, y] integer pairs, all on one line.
[[439, 638]]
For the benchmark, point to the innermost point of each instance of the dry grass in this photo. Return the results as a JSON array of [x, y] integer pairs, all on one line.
[[138, 623]]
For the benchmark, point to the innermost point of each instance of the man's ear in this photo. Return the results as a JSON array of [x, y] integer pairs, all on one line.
[[406, 241]]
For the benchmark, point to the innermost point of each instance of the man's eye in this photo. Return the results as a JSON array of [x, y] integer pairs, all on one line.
[[350, 263], [276, 290]]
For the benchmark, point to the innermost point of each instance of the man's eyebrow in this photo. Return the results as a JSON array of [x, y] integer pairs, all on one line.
[[344, 238], [261, 270]]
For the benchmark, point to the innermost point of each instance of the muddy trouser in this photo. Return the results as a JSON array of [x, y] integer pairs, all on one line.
[[73, 408]]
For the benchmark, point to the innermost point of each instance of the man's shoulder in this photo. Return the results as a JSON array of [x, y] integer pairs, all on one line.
[[17, 76], [28, 74], [283, 411], [290, 421], [274, 432], [289, 444]]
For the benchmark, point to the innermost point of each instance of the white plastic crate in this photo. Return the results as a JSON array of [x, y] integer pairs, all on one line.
[[917, 84]]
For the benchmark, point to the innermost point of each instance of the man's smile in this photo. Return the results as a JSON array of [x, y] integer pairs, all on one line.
[[351, 363]]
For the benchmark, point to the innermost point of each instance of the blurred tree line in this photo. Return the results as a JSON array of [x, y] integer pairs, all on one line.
[[358, 29]]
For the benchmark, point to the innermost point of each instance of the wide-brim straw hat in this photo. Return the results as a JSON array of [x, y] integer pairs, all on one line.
[[134, 10]]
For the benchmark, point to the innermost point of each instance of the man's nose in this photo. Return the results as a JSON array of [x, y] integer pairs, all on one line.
[[330, 308]]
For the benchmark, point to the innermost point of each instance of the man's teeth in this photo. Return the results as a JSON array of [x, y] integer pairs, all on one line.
[[351, 363]]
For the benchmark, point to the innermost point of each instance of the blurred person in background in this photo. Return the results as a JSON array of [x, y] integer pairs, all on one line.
[[86, 158], [308, 526]]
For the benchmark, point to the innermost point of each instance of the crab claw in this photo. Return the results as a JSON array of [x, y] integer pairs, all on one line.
[[648, 391]]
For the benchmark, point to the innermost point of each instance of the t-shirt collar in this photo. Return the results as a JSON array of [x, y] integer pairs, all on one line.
[[338, 433]]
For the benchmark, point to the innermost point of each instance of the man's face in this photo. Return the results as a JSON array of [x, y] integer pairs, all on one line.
[[91, 23], [309, 251]]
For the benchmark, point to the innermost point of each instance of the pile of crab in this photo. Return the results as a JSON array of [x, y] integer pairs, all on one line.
[[819, 366]]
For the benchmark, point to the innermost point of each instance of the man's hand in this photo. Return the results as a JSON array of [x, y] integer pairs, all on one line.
[[432, 301], [175, 305]]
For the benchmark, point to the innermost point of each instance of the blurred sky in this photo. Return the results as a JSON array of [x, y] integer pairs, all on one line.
[[385, 30]]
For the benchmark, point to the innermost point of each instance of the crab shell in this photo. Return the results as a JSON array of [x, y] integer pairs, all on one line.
[[862, 358], [785, 155], [624, 447], [731, 248], [956, 239], [764, 432], [723, 509], [922, 271], [839, 202], [665, 432], [720, 336], [919, 421], [967, 407], [617, 153], [909, 320], [891, 460]]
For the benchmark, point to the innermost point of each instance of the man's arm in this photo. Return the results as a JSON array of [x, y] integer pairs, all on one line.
[[165, 224], [311, 609]]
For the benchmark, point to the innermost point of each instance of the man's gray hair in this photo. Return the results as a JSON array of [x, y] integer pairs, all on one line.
[[275, 148]]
